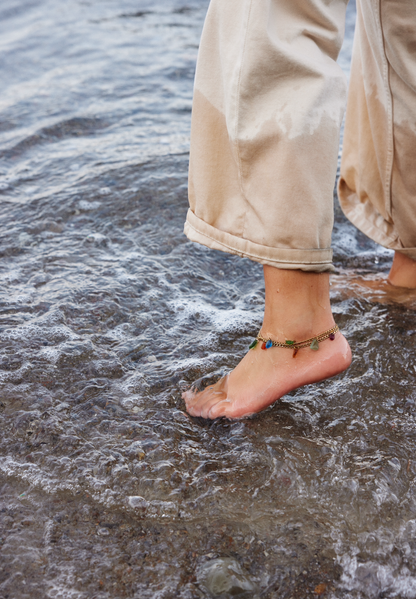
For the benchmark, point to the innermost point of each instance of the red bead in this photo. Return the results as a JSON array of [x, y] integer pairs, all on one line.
[[332, 336], [263, 345]]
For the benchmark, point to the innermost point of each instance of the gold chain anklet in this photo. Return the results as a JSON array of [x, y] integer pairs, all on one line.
[[312, 343]]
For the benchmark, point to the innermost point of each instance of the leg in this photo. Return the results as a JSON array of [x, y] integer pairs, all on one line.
[[268, 105], [403, 271], [377, 187], [297, 307]]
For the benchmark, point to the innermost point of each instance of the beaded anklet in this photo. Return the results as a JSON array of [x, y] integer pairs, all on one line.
[[312, 343]]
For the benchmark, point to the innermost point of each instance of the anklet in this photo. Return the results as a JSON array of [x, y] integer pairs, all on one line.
[[312, 343]]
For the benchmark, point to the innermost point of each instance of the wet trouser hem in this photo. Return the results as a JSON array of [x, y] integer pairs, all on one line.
[[314, 260]]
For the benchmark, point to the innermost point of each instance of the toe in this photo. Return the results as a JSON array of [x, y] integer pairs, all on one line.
[[203, 402], [195, 405], [218, 409], [199, 404], [193, 401], [211, 402], [188, 397]]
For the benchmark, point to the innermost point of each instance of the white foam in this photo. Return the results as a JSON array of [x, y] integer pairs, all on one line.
[[220, 320], [386, 573], [85, 205]]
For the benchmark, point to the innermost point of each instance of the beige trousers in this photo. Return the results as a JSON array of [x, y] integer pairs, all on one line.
[[268, 106]]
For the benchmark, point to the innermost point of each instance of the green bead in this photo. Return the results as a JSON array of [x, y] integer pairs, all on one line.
[[314, 345], [253, 345], [289, 342]]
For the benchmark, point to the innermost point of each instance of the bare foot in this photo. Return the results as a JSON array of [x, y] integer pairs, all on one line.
[[297, 307], [262, 377], [372, 288], [403, 271]]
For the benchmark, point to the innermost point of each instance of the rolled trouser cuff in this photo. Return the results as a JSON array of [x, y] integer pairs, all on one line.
[[367, 219], [314, 260], [410, 252]]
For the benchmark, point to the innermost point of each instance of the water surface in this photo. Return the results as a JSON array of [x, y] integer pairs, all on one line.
[[107, 313]]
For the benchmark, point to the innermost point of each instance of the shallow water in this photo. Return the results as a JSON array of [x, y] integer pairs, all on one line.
[[109, 489]]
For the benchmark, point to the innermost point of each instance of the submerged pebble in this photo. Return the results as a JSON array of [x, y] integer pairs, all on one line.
[[224, 577]]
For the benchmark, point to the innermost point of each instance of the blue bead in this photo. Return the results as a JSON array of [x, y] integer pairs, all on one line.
[[269, 344]]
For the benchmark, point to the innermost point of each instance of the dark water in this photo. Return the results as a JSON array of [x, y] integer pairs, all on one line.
[[108, 488]]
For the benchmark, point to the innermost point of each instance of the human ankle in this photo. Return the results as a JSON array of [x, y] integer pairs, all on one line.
[[297, 304], [403, 271], [296, 330]]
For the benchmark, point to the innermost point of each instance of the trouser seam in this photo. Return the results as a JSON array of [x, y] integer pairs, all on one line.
[[237, 123], [390, 136]]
